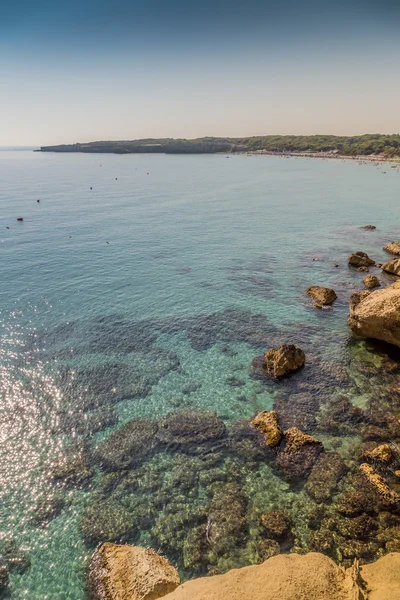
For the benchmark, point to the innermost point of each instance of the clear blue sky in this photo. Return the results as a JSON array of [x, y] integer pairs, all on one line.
[[89, 70]]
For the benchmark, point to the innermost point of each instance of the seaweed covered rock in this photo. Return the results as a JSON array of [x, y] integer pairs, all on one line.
[[275, 524], [371, 281], [298, 410], [393, 248], [360, 259], [16, 559], [47, 507], [130, 573], [189, 427], [73, 467], [3, 577], [103, 521], [299, 454], [283, 360], [323, 296], [324, 476], [226, 525], [268, 423], [392, 266], [388, 496], [340, 416], [128, 445], [377, 314], [382, 454]]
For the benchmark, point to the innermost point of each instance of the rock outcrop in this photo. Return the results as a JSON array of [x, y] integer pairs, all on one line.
[[371, 281], [377, 314], [299, 454], [360, 259], [281, 361], [392, 266], [130, 573], [388, 496], [368, 227], [393, 248], [268, 423], [322, 295]]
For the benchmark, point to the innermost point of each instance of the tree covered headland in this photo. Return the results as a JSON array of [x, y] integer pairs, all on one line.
[[361, 145]]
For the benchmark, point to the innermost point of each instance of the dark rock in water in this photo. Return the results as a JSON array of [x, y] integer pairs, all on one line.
[[103, 522], [340, 417], [324, 476], [234, 381], [48, 507], [360, 259], [275, 524], [226, 518], [371, 281], [228, 351], [299, 455], [128, 445], [257, 369], [190, 388], [187, 427], [283, 360], [392, 266], [17, 560], [249, 443], [73, 468], [368, 227], [86, 422], [298, 410], [3, 576]]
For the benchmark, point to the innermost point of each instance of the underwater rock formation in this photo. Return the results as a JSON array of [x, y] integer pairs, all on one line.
[[323, 296], [281, 361], [275, 524], [128, 445], [16, 559], [268, 423], [392, 266], [324, 476], [103, 521], [73, 468], [377, 314], [371, 281], [393, 248], [182, 429], [360, 259], [299, 454], [388, 496], [130, 573]]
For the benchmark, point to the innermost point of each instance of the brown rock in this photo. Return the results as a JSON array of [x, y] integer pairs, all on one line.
[[382, 578], [393, 248], [322, 295], [360, 259], [130, 573], [296, 439], [299, 455], [368, 227], [280, 361], [275, 523], [377, 314], [392, 266], [377, 482], [382, 454], [371, 281], [363, 269], [268, 423]]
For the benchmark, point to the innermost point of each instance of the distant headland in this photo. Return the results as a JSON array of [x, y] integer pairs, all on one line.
[[377, 145]]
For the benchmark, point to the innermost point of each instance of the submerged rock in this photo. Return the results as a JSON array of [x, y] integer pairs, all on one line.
[[393, 248], [381, 454], [377, 314], [322, 295], [324, 476], [388, 496], [368, 227], [182, 428], [3, 576], [103, 521], [268, 423], [48, 507], [281, 361], [299, 455], [275, 524], [371, 281], [360, 259], [130, 573], [392, 266], [128, 445], [17, 560], [73, 468]]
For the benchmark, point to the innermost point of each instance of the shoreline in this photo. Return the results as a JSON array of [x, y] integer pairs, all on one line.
[[330, 156]]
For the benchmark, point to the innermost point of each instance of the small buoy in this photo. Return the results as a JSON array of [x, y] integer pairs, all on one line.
[[116, 178], [20, 218], [91, 188], [37, 200]]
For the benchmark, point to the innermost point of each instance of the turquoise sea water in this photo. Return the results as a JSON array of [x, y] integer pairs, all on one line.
[[142, 285]]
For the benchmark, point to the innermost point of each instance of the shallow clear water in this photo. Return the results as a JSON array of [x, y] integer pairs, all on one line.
[[156, 286]]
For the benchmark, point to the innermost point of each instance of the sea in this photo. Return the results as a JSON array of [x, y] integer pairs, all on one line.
[[143, 286]]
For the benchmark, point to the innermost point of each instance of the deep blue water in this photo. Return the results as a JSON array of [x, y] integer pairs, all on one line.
[[162, 249]]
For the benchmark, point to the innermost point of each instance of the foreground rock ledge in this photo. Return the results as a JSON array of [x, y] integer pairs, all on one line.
[[130, 573], [377, 314]]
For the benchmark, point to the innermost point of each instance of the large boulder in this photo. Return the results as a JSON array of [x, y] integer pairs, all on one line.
[[360, 259], [377, 314], [268, 423], [371, 281], [393, 248], [130, 573], [322, 295], [392, 266], [281, 361]]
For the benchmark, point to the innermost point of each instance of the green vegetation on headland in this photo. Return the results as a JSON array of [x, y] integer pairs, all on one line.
[[362, 145]]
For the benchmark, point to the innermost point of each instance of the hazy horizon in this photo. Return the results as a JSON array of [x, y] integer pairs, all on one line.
[[86, 71]]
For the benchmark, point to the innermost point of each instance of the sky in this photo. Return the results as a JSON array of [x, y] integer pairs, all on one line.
[[85, 70]]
